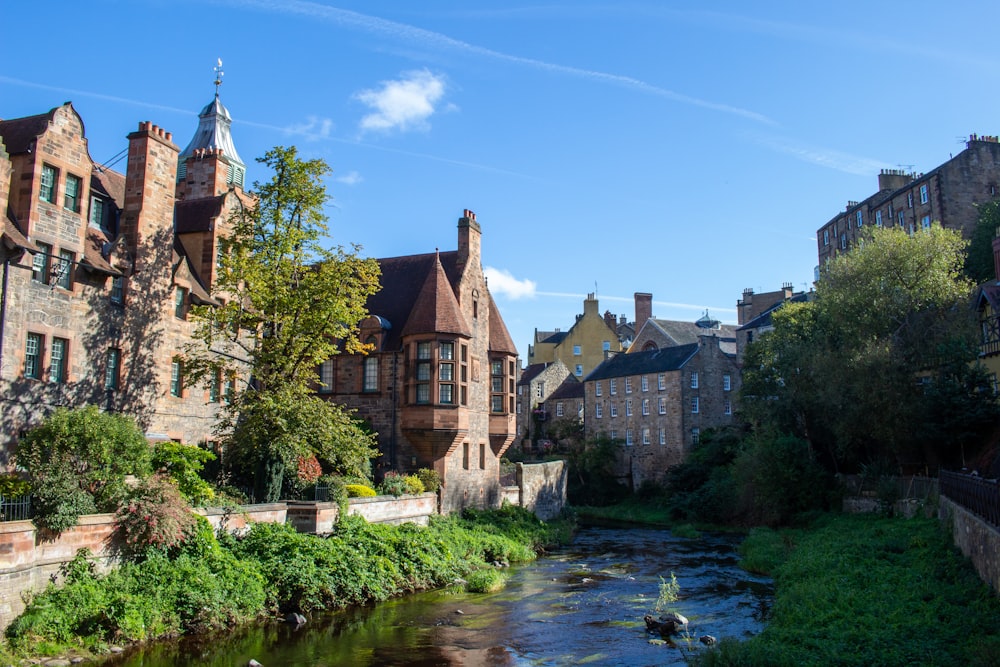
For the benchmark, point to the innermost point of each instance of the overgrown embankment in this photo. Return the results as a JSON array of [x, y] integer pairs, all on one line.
[[208, 583], [867, 590]]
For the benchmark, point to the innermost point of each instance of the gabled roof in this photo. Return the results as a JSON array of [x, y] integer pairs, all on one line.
[[94, 248], [989, 292], [500, 340], [550, 337], [532, 371], [683, 333], [196, 215], [636, 363], [109, 183], [435, 309], [19, 134], [181, 264], [569, 389]]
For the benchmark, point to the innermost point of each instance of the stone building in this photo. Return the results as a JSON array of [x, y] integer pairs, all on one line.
[[439, 383], [582, 347], [100, 269], [947, 194], [754, 313], [536, 384], [656, 402]]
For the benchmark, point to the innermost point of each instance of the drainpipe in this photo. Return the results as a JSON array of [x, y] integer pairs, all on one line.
[[3, 305]]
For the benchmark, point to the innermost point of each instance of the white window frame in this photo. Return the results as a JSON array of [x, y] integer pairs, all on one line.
[[597, 388], [727, 383], [612, 386], [598, 411], [663, 436], [661, 381], [924, 194], [644, 383], [577, 351], [628, 437], [694, 379], [645, 435], [645, 406], [695, 405], [663, 405]]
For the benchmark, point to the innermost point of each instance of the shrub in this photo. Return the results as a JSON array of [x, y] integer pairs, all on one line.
[[154, 517], [360, 491], [487, 580], [393, 484], [430, 478], [12, 486], [60, 502], [184, 463], [413, 484]]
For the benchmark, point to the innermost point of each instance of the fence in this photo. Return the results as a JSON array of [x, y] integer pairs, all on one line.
[[979, 496], [16, 508]]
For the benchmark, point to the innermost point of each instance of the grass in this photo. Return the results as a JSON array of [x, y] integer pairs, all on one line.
[[864, 590], [488, 580]]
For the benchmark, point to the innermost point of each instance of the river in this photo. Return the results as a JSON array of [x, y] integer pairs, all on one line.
[[581, 604]]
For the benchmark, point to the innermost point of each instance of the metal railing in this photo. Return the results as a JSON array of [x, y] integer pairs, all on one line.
[[16, 508], [979, 496]]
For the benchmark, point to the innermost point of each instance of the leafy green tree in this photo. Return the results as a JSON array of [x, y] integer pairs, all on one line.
[[289, 303], [979, 261], [858, 373], [77, 461]]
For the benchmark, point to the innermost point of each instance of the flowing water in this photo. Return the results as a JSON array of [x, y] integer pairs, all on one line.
[[582, 604]]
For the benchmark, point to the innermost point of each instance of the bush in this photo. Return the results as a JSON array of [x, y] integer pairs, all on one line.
[[154, 517], [430, 479], [360, 491], [184, 464], [393, 484], [487, 580], [413, 484], [12, 486], [76, 455]]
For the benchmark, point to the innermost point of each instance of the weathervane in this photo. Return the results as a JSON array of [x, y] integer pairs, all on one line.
[[218, 77]]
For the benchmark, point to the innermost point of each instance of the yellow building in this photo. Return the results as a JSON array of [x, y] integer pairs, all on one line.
[[583, 347]]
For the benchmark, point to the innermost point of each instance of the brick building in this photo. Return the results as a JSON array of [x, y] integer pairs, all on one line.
[[100, 269], [656, 402], [439, 383], [754, 313], [947, 194]]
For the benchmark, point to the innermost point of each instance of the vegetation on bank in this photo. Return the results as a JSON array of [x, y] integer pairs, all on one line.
[[867, 590], [208, 582]]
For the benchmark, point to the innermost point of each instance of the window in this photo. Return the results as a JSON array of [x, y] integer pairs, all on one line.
[[118, 290], [728, 408], [826, 237], [47, 191], [446, 394], [628, 407], [465, 455], [446, 373], [578, 370], [423, 372], [96, 211], [370, 382], [695, 436], [326, 377], [597, 388], [890, 209], [64, 269], [727, 383], [694, 405], [614, 434], [644, 383], [229, 388], [663, 405], [900, 218], [645, 406], [878, 218], [843, 241], [539, 389], [694, 380], [71, 195], [33, 356], [496, 403], [663, 436], [923, 194], [180, 295], [645, 436], [606, 345], [40, 263], [628, 385], [576, 351], [112, 368], [925, 222], [176, 378], [909, 200], [614, 409], [57, 360], [497, 378], [628, 437], [661, 381], [613, 386], [214, 387], [598, 411], [482, 456], [559, 409], [861, 218]]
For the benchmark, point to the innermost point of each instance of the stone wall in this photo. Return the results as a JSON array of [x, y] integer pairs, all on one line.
[[543, 488], [976, 539]]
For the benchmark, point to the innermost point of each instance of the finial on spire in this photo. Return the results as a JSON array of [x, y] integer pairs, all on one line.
[[218, 77]]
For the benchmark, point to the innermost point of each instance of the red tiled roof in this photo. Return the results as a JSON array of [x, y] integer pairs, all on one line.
[[12, 235], [110, 183], [436, 309], [500, 340], [93, 252], [19, 133]]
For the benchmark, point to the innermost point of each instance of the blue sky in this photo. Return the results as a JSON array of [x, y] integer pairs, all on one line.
[[687, 149]]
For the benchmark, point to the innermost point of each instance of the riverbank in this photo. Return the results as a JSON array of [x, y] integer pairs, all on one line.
[[210, 584]]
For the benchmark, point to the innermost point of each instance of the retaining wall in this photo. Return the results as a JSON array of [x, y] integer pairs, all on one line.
[[976, 539]]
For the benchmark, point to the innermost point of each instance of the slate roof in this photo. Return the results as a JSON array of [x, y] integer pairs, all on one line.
[[637, 363], [532, 371], [569, 389], [402, 279], [196, 215], [764, 319], [552, 337], [20, 133], [181, 263], [683, 333], [500, 340]]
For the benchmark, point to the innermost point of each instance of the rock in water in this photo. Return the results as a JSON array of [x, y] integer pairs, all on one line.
[[708, 640]]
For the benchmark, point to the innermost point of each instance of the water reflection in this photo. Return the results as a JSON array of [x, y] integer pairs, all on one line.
[[582, 604]]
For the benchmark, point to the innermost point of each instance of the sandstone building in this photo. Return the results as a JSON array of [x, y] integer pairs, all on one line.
[[947, 194]]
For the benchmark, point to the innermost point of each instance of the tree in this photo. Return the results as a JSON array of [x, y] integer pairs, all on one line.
[[288, 304], [860, 372], [979, 261]]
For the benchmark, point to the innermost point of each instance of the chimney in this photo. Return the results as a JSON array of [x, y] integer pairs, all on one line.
[[469, 240], [787, 292], [893, 179], [148, 217], [590, 305], [643, 308]]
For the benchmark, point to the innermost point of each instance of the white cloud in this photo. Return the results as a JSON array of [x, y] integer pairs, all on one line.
[[350, 178], [502, 282], [314, 128], [824, 157], [403, 104]]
